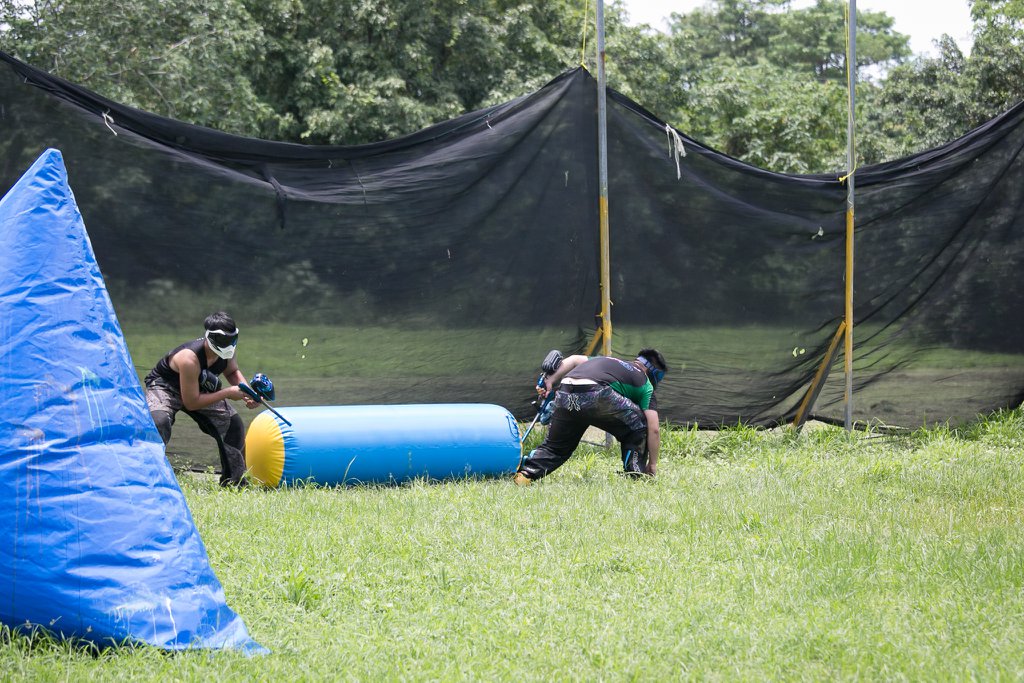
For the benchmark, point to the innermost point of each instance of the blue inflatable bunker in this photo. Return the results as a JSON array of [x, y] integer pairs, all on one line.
[[96, 541], [333, 445]]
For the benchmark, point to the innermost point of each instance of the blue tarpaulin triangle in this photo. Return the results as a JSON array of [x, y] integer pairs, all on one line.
[[96, 540]]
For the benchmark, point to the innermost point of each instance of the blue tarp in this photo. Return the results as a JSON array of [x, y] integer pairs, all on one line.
[[96, 541]]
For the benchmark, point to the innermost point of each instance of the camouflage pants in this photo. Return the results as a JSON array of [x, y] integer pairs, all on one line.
[[577, 408], [219, 420]]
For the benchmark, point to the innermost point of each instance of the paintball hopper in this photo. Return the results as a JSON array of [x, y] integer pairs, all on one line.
[[262, 385], [261, 390], [552, 362], [545, 407]]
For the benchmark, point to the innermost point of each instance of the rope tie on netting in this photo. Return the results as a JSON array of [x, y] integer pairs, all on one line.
[[583, 49], [675, 148], [279, 191], [108, 120]]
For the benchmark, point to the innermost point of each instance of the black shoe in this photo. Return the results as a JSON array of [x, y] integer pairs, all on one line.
[[229, 482], [634, 463]]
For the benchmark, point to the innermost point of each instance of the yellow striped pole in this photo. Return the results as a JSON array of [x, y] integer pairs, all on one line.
[[851, 165], [602, 206]]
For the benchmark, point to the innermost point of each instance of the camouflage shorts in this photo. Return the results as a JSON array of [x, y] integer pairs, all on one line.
[[161, 397], [219, 420]]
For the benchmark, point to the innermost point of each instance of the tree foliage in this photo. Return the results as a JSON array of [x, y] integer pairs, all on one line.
[[932, 100], [316, 71], [758, 79], [356, 71], [186, 59], [764, 82]]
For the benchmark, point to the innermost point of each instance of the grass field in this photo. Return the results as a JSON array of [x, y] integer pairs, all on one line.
[[755, 555]]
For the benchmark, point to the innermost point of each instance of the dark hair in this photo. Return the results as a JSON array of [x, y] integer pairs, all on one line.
[[654, 357], [220, 321]]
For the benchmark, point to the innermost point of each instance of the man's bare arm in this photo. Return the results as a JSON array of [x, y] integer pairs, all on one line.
[[567, 365], [187, 366], [653, 440]]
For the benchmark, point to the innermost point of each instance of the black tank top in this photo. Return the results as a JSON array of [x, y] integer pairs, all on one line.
[[165, 372]]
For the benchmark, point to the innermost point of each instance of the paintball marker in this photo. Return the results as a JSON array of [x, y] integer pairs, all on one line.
[[551, 363], [261, 390]]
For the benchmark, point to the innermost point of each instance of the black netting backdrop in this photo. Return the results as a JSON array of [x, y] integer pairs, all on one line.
[[442, 266], [740, 273]]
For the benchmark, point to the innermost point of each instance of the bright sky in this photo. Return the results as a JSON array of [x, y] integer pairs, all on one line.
[[923, 20]]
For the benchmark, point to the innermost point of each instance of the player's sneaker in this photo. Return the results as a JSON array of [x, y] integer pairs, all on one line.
[[634, 463]]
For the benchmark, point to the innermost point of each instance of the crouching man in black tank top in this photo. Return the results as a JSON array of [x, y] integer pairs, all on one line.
[[611, 394], [188, 378]]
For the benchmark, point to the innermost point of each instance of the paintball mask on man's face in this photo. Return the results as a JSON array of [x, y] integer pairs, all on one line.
[[222, 343], [653, 373]]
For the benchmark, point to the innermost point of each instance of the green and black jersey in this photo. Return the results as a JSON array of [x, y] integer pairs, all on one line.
[[622, 376]]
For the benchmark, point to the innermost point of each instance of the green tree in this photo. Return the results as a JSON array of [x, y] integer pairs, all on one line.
[[995, 68], [353, 71], [315, 71], [185, 59], [755, 78], [813, 40], [759, 80], [932, 100], [921, 104], [742, 112], [1009, 13]]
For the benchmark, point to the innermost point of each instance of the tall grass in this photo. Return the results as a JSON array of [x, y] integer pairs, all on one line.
[[754, 555]]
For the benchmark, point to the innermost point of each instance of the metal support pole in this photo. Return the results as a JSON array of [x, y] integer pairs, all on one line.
[[602, 202], [602, 207], [851, 165]]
